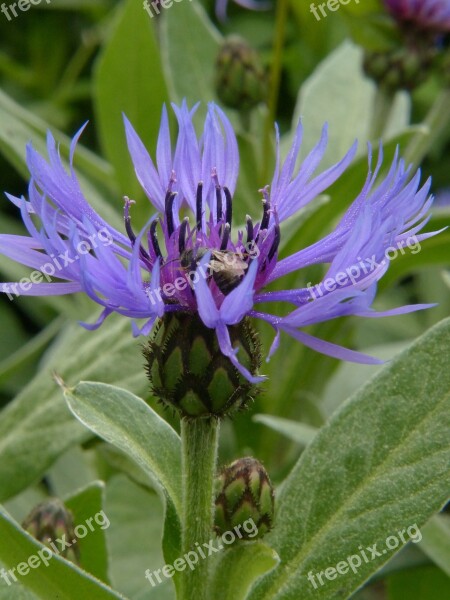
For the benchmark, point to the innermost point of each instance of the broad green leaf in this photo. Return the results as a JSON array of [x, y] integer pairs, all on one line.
[[36, 427], [436, 541], [238, 567], [189, 44], [57, 579], [410, 557], [298, 432], [339, 94], [349, 377], [29, 352], [426, 583], [127, 422], [12, 335], [446, 278], [86, 506], [134, 539], [120, 461], [379, 467], [72, 471], [15, 592], [129, 79]]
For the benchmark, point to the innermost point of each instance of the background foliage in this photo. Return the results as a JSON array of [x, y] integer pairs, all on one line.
[[71, 61]]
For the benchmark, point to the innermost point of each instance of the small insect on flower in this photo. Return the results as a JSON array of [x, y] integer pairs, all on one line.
[[227, 268], [192, 273]]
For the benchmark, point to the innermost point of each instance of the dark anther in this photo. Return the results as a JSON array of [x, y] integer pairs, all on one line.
[[170, 197], [249, 230], [219, 203], [266, 215], [182, 236], [199, 206], [229, 209], [275, 243], [226, 237], [154, 239], [127, 218]]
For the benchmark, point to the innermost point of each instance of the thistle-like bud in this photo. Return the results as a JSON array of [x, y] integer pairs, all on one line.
[[243, 492], [51, 523], [241, 80], [403, 68], [188, 371]]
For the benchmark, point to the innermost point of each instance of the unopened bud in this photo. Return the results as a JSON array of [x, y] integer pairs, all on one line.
[[188, 371], [241, 80], [51, 523], [403, 68], [243, 492]]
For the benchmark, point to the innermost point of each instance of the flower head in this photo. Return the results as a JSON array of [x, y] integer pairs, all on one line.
[[194, 264], [431, 15]]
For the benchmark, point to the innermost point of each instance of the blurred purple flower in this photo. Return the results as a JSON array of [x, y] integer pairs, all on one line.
[[143, 277], [425, 14], [221, 6]]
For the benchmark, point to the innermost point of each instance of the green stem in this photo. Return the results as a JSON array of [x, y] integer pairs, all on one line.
[[383, 103], [435, 123], [199, 439], [274, 81]]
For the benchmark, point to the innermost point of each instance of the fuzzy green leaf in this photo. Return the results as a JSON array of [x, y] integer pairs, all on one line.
[[380, 466], [36, 427], [58, 579]]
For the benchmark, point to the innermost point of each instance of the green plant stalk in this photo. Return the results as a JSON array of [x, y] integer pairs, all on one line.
[[435, 123], [382, 109], [199, 439], [274, 82]]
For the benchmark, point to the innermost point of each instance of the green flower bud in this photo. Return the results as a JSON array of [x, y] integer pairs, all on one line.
[[241, 80], [244, 491], [404, 68], [52, 524], [188, 371]]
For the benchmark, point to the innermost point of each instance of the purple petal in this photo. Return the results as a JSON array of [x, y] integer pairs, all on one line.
[[401, 310], [145, 330], [41, 289], [332, 349], [144, 168], [226, 348], [238, 302], [207, 308], [92, 326], [164, 150]]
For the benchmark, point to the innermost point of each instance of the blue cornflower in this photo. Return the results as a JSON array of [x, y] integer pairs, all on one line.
[[193, 264], [431, 15]]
